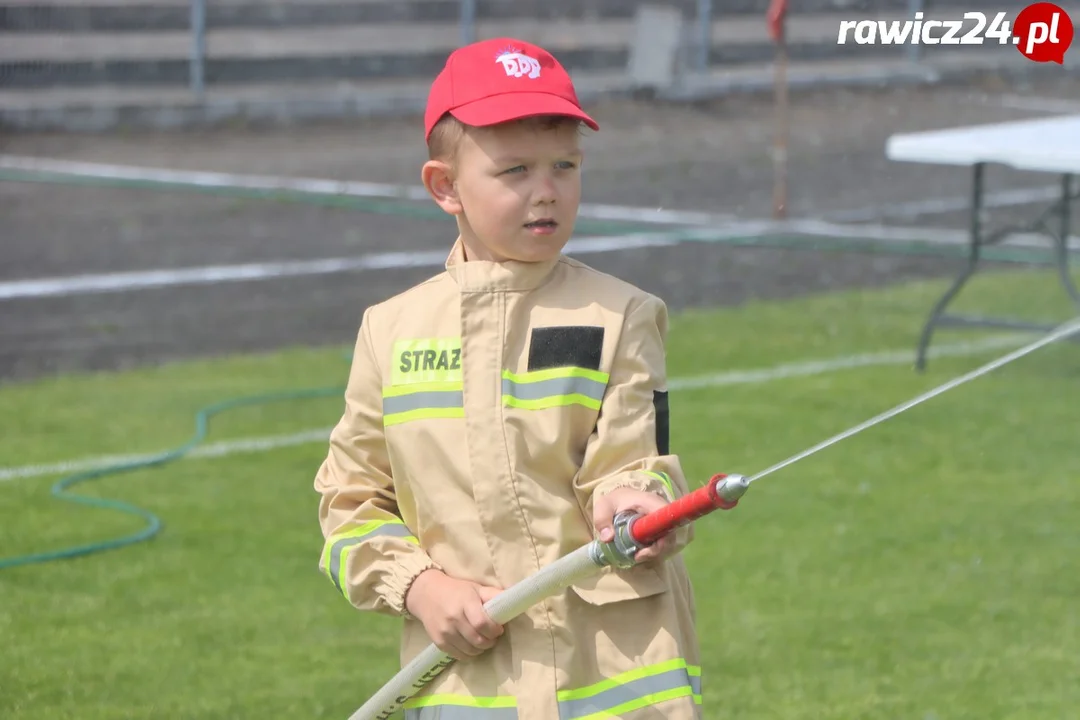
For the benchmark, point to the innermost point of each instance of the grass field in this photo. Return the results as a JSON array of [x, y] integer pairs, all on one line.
[[925, 569]]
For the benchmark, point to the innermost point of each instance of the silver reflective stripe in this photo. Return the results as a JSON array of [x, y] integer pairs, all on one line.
[[695, 684], [422, 401], [460, 712], [390, 529], [554, 387], [628, 692]]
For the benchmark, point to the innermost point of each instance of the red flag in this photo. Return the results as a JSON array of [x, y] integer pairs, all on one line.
[[774, 17]]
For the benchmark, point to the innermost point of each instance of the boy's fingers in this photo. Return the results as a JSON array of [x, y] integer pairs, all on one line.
[[454, 645], [489, 627], [657, 550], [603, 514], [461, 649], [487, 593], [646, 553], [483, 631], [467, 639]]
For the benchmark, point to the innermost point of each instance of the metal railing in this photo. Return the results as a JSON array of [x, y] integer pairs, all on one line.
[[698, 45], [701, 40], [468, 18]]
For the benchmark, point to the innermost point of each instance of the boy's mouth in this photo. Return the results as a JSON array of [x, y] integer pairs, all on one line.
[[540, 224]]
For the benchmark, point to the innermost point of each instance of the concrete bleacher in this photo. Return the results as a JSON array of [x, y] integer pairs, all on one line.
[[94, 64]]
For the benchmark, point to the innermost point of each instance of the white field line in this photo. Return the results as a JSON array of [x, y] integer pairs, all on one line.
[[837, 224], [937, 206], [216, 274], [213, 450], [1054, 106], [319, 186], [849, 362], [70, 285], [734, 377]]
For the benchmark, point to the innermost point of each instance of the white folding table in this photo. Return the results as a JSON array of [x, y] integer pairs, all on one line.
[[1050, 145]]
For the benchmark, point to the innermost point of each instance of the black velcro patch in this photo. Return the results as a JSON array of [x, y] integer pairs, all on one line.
[[566, 346], [663, 422]]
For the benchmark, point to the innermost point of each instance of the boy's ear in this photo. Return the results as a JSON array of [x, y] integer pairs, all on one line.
[[438, 177]]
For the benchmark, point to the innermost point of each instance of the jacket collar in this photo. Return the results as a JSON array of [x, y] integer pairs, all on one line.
[[486, 276]]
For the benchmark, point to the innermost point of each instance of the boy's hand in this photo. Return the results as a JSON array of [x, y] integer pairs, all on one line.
[[606, 507], [453, 613]]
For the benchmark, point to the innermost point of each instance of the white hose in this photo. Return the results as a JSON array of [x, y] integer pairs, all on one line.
[[502, 608]]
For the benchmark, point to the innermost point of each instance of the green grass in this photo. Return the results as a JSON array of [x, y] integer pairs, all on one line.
[[924, 569]]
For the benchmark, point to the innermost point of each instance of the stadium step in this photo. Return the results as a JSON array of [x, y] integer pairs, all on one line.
[[171, 15], [105, 61], [376, 51], [92, 109]]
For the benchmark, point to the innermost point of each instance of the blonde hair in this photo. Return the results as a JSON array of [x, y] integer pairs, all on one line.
[[444, 138], [447, 133]]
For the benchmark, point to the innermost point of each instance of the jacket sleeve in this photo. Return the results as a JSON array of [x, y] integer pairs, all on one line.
[[369, 554], [630, 445]]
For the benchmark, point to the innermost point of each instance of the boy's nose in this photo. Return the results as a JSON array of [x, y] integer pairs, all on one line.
[[545, 191]]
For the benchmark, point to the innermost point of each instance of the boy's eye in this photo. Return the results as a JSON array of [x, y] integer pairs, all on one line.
[[515, 169], [566, 165]]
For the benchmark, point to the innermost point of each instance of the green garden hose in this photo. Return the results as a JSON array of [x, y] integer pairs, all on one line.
[[60, 489]]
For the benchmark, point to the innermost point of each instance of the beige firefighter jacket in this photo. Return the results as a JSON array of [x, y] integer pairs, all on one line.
[[485, 408]]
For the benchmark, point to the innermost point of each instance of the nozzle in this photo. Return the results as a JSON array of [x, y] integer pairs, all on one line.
[[733, 487]]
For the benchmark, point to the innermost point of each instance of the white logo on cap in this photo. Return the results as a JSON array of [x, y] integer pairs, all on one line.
[[518, 64]]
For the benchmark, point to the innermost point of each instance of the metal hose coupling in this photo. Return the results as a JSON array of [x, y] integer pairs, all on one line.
[[618, 553]]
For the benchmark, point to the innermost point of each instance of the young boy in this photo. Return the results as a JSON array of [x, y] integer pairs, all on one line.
[[499, 414]]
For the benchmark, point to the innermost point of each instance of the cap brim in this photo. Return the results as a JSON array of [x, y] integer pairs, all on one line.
[[515, 106]]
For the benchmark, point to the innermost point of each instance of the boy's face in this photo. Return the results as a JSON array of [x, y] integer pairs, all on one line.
[[517, 189]]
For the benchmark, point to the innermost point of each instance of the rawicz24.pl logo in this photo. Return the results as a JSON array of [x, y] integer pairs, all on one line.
[[1042, 32]]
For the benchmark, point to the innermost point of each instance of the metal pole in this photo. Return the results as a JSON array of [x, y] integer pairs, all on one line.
[[467, 21], [197, 68], [780, 142], [975, 244], [704, 43], [914, 50]]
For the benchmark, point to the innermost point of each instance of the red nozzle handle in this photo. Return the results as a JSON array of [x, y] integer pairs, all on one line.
[[647, 529]]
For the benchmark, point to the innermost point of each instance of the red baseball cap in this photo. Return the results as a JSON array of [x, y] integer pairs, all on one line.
[[493, 81]]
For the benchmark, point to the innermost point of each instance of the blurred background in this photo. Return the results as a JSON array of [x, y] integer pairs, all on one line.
[[331, 91], [199, 198]]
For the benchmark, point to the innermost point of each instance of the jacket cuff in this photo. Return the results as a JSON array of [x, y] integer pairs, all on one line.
[[398, 582], [634, 481]]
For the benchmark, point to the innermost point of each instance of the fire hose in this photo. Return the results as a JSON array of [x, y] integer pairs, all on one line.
[[634, 531]]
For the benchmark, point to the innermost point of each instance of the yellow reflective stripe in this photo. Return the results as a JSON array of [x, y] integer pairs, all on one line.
[[641, 702], [695, 681], [628, 676], [338, 546], [665, 479], [399, 390], [550, 402], [632, 690], [420, 401], [554, 387], [553, 373], [461, 700], [423, 414]]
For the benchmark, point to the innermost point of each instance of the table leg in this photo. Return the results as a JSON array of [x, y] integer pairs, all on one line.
[[1062, 243], [975, 245]]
